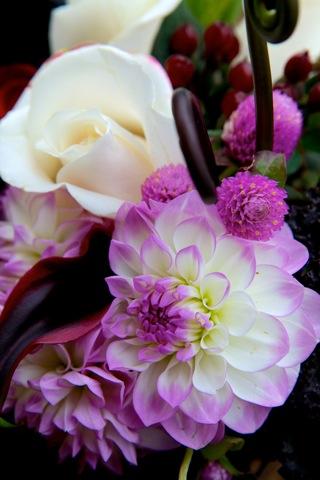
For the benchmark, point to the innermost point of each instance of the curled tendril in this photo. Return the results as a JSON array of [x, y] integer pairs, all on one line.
[[274, 24], [264, 25], [195, 143]]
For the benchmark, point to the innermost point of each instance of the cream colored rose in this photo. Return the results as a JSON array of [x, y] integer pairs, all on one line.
[[305, 37], [128, 24], [95, 120]]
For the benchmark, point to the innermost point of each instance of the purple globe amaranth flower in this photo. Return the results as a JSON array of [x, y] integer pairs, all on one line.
[[251, 206], [37, 226], [215, 325], [67, 388], [214, 471], [167, 183], [239, 131]]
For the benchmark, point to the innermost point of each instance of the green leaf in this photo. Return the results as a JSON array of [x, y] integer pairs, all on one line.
[[218, 450], [225, 463], [314, 121], [182, 15], [272, 165], [183, 473], [294, 163], [5, 424], [294, 194], [311, 140], [208, 11]]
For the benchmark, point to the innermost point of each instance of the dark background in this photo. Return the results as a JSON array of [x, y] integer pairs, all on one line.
[[291, 432]]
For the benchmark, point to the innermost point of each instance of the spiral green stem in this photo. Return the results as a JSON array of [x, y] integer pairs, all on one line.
[[266, 25]]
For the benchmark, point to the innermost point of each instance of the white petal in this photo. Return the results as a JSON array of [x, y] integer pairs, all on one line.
[[195, 231], [261, 347], [238, 313], [209, 373], [236, 260], [274, 291], [269, 388], [214, 289]]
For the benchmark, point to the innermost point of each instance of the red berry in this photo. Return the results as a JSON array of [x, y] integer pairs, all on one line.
[[231, 101], [180, 70], [314, 95], [232, 49], [298, 67], [184, 40], [220, 42], [240, 77]]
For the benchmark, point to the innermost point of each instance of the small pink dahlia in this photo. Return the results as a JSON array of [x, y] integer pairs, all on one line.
[[239, 131], [251, 206], [37, 226], [166, 183], [67, 389]]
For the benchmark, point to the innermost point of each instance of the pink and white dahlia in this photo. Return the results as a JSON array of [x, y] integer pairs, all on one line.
[[37, 226], [215, 325], [68, 389]]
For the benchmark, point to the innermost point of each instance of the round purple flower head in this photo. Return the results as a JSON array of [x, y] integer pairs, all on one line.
[[214, 471], [239, 131], [251, 206], [167, 183]]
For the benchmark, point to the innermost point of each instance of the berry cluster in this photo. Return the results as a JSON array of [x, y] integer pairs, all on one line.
[[202, 63], [301, 81]]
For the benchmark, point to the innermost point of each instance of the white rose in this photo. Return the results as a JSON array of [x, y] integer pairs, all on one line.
[[95, 120], [131, 25], [305, 37]]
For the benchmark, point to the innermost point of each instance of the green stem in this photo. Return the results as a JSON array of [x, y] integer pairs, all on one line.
[[183, 473]]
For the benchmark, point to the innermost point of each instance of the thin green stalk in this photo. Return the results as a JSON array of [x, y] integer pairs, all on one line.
[[183, 473]]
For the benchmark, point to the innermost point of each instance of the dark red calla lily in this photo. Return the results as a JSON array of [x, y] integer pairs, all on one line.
[[58, 300]]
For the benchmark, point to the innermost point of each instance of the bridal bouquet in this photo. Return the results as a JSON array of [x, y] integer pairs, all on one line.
[[147, 272]]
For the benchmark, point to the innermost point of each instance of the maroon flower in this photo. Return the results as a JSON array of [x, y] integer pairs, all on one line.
[[13, 80]]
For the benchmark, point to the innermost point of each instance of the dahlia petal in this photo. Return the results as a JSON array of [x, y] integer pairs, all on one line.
[[204, 408], [64, 418], [175, 383], [238, 313], [311, 307], [185, 206], [189, 263], [214, 288], [271, 254], [292, 376], [156, 256], [124, 260], [126, 447], [245, 417], [51, 389], [215, 340], [124, 355], [188, 432], [297, 253], [147, 402], [119, 287], [137, 229], [209, 373], [195, 231], [156, 439], [231, 252], [275, 292], [302, 338], [261, 347], [269, 388], [87, 414]]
